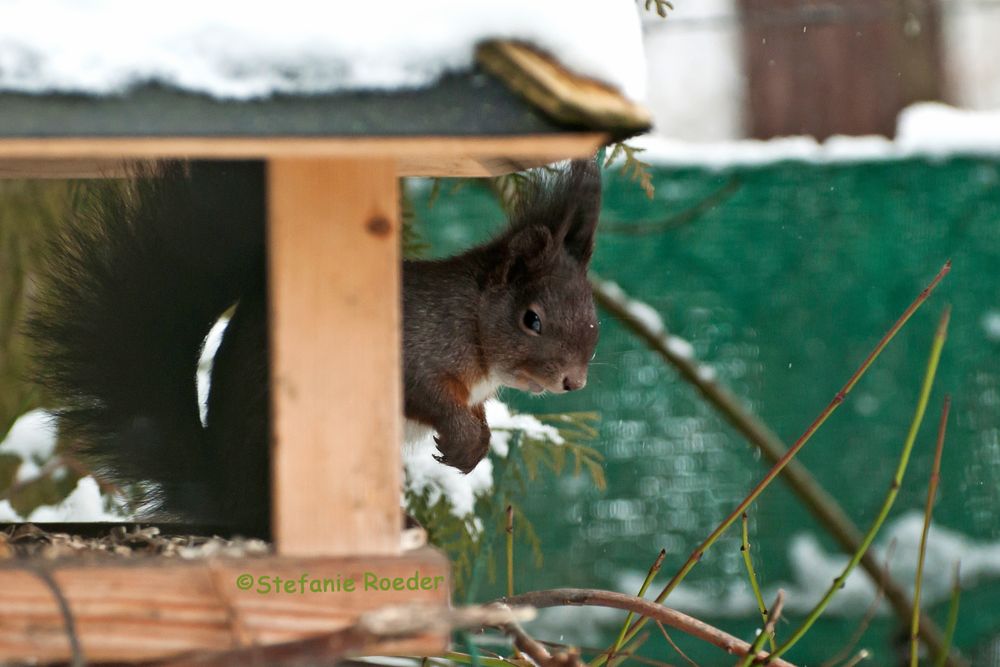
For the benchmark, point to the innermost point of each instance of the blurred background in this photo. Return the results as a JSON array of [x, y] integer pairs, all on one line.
[[728, 69], [781, 263]]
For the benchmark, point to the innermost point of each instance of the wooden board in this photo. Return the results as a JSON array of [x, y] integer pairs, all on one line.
[[151, 609], [335, 355], [414, 156], [565, 96]]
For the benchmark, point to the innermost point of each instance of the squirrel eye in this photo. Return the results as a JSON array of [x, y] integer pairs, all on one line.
[[532, 322]]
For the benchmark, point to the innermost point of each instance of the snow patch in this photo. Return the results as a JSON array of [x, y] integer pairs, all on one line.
[[680, 347], [238, 50], [504, 424], [32, 437], [991, 325], [707, 373], [926, 129], [85, 503], [646, 315], [814, 568], [424, 473], [7, 513], [936, 129]]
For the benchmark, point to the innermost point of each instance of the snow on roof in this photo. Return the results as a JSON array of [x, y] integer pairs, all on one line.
[[927, 129], [239, 50]]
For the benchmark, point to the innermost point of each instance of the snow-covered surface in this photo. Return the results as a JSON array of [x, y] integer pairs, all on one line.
[[814, 568], [927, 129], [32, 437], [85, 503], [425, 473], [233, 49], [504, 424], [648, 318], [647, 315], [7, 513]]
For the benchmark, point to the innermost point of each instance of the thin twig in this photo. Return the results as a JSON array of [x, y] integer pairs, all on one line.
[[646, 608], [928, 511], [657, 564], [925, 391], [863, 654], [626, 654], [643, 227], [509, 530], [949, 628], [838, 399], [768, 631], [815, 498], [466, 659], [510, 549], [752, 574], [594, 650], [538, 653], [677, 648], [870, 613]]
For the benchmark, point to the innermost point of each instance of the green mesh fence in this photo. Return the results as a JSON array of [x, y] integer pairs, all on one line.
[[782, 281]]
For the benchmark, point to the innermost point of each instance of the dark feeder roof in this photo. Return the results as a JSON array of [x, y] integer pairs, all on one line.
[[509, 93]]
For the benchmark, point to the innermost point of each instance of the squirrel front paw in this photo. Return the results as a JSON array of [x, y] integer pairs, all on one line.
[[463, 444]]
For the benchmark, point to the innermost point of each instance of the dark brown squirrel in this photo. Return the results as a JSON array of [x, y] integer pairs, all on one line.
[[131, 288]]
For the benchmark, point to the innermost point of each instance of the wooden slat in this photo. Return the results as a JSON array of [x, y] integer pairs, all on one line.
[[149, 609], [335, 323], [474, 167], [414, 156], [563, 95]]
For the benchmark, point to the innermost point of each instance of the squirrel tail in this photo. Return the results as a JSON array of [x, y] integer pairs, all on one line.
[[126, 297]]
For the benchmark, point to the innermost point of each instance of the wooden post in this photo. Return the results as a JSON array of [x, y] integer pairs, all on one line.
[[335, 353]]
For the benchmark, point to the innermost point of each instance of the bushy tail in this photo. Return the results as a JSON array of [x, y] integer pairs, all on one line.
[[129, 291]]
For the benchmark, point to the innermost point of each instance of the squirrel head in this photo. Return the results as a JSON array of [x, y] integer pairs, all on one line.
[[538, 324]]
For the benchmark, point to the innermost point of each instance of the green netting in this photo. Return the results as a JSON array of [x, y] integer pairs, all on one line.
[[782, 285]]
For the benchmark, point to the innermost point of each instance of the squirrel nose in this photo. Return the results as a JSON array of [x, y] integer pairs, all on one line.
[[574, 383]]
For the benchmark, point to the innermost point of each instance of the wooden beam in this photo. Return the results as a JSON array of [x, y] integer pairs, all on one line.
[[460, 166], [153, 608], [69, 157], [335, 355]]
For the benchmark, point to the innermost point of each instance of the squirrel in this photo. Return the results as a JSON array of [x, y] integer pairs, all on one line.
[[129, 290]]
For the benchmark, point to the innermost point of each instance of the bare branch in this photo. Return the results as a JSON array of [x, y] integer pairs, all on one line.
[[646, 608]]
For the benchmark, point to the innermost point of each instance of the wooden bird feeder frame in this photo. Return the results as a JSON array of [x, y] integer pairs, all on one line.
[[334, 266]]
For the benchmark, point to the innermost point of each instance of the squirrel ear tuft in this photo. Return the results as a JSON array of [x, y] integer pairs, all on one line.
[[581, 195], [529, 251]]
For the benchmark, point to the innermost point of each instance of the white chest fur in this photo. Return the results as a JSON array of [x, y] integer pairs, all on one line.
[[484, 389]]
